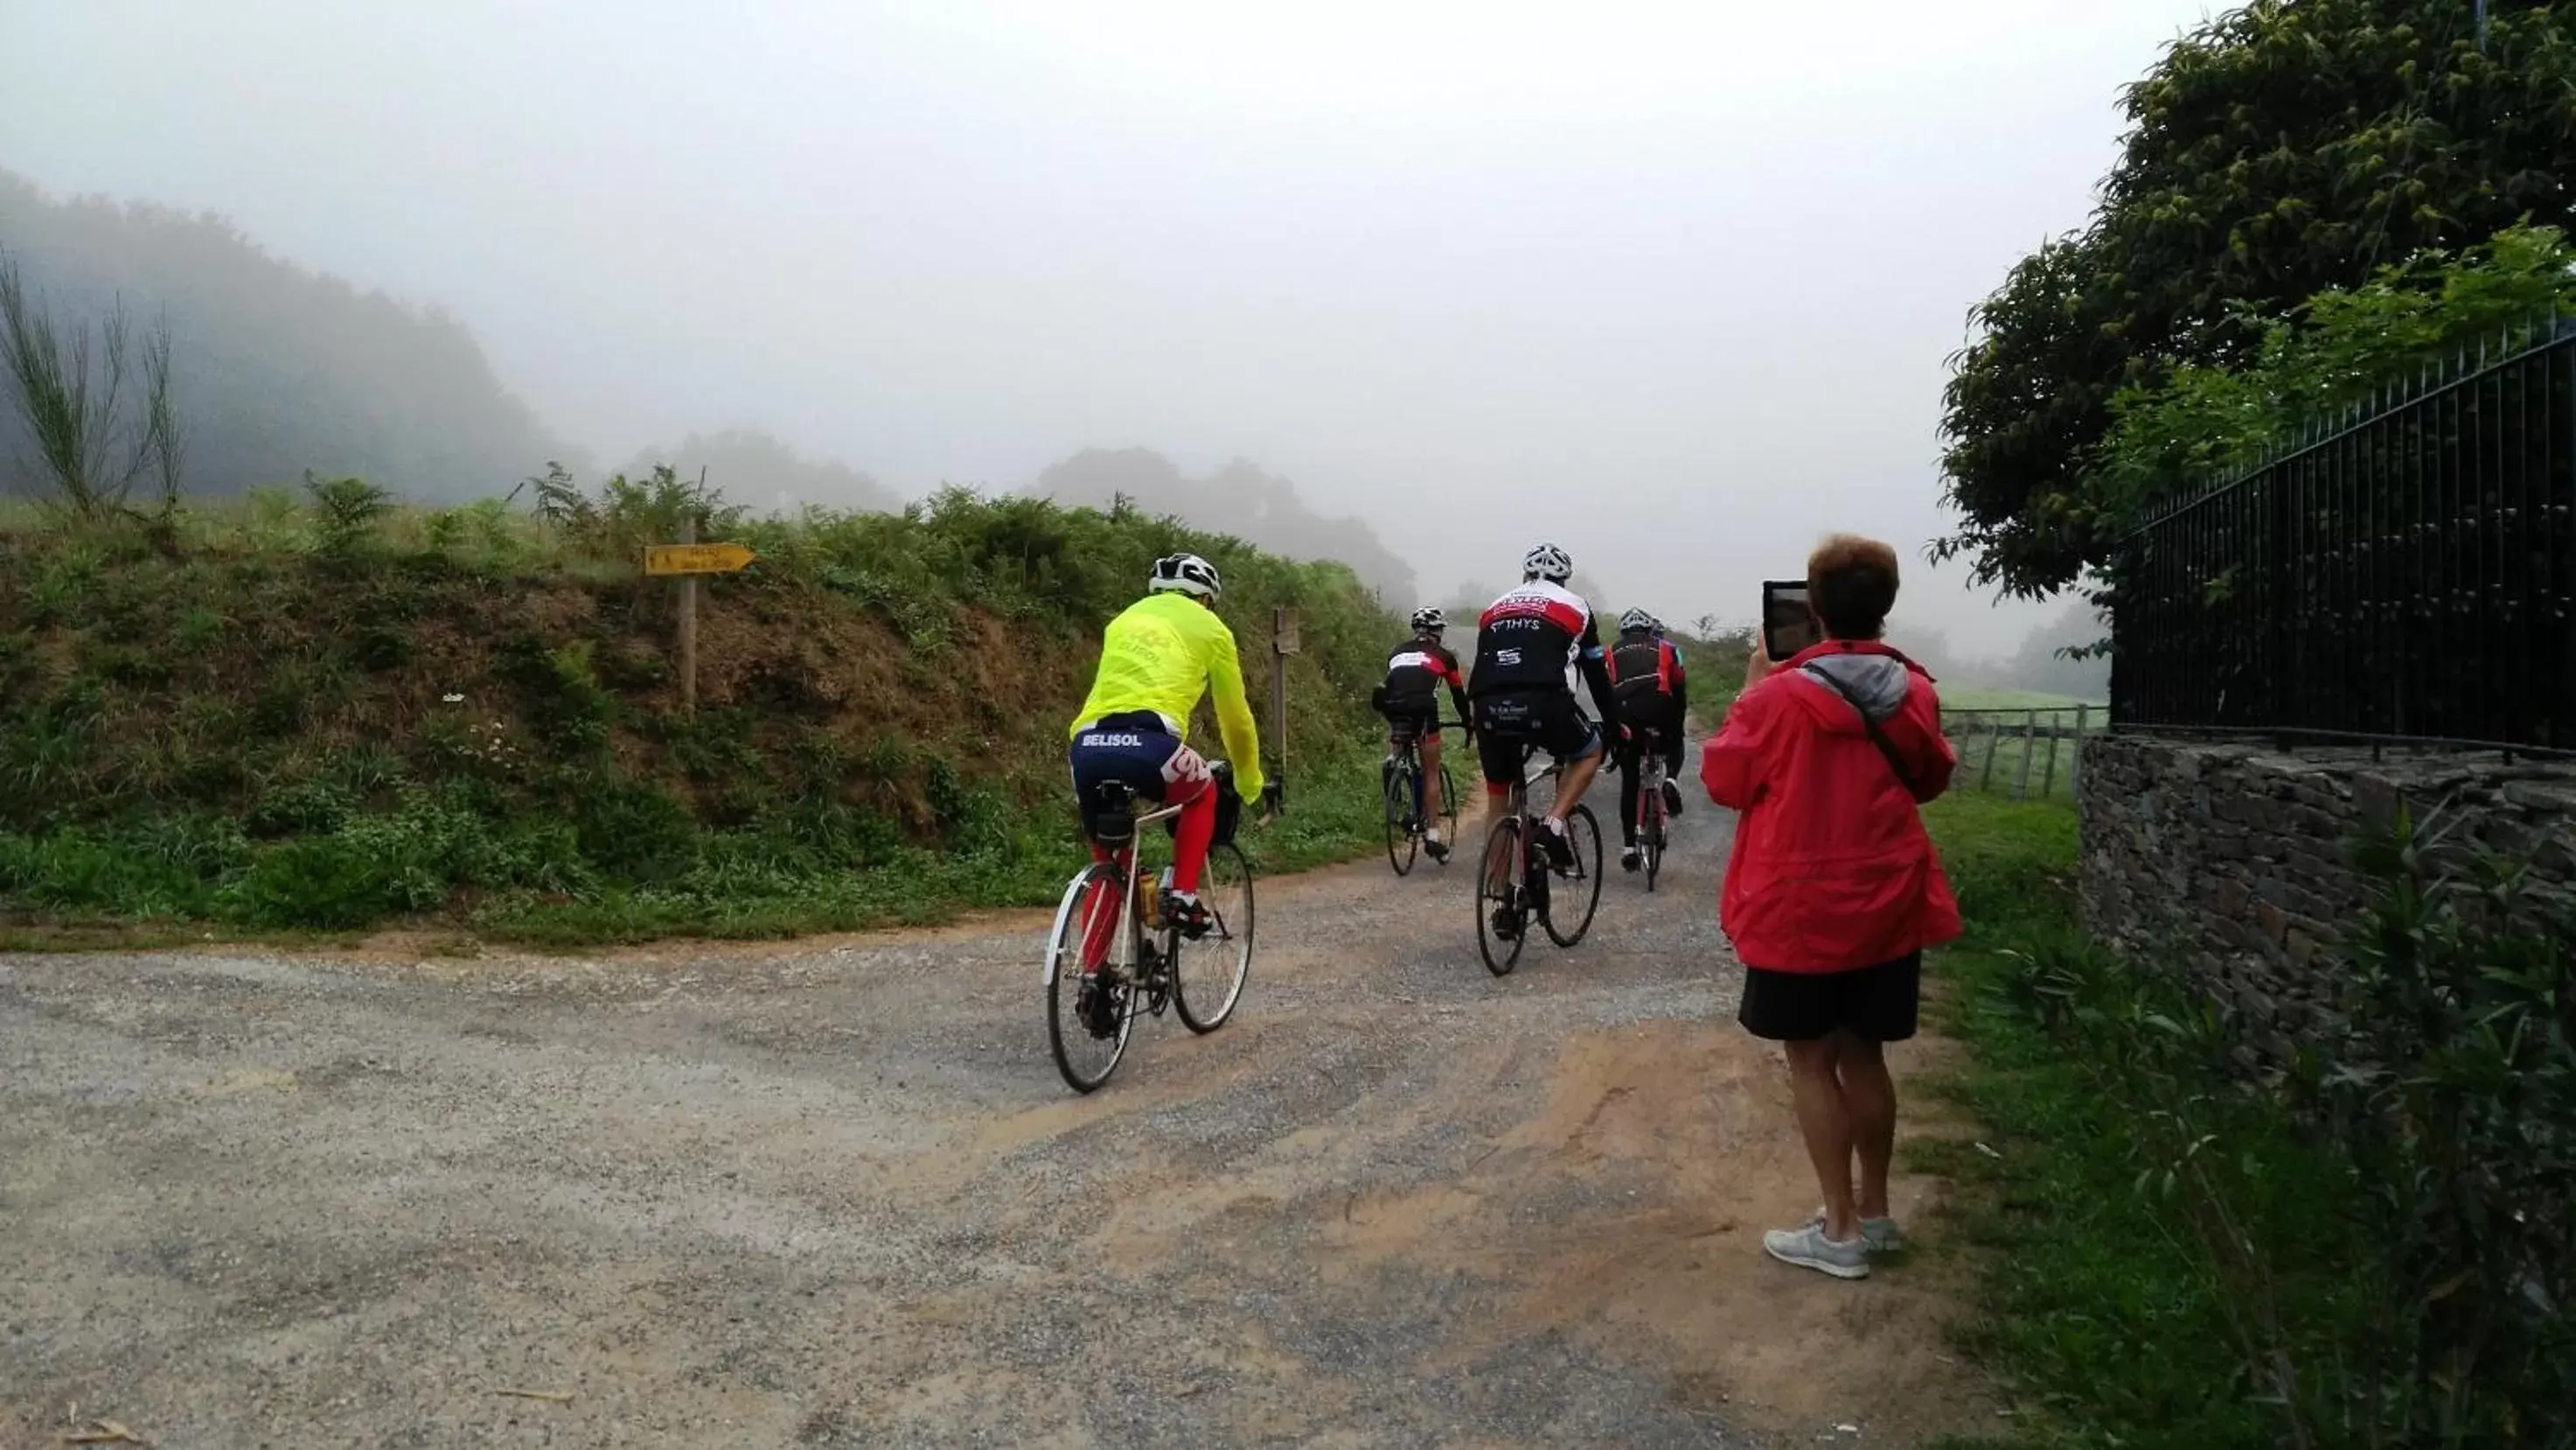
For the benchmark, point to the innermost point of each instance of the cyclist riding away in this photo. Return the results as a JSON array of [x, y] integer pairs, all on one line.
[[1415, 671], [1654, 695], [1156, 659], [1530, 644]]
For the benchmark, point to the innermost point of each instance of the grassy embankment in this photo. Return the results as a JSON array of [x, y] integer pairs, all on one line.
[[328, 714], [2177, 1259]]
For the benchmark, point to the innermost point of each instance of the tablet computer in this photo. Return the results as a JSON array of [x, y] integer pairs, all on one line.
[[1788, 625]]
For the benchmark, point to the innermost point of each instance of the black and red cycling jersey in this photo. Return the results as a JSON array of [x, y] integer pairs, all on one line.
[[1415, 671], [1643, 666], [1536, 639]]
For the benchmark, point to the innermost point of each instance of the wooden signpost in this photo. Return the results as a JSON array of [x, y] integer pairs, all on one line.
[[1283, 643], [686, 560]]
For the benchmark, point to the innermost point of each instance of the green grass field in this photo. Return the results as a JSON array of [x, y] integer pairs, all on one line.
[[1989, 697]]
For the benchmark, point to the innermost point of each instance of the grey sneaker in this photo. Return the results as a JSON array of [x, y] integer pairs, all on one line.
[[1807, 1247], [1881, 1235]]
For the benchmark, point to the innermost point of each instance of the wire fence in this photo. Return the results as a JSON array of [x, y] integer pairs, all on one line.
[[2028, 754], [2407, 572]]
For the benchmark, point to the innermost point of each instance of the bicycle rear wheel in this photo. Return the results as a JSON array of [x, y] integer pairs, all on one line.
[[1652, 836], [1401, 843], [1584, 885], [1498, 890], [1087, 927], [1208, 974]]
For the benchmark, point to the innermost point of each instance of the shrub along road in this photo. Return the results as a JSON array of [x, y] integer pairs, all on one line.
[[831, 1192]]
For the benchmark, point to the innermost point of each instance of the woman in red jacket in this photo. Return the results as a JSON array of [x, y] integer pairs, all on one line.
[[1833, 890]]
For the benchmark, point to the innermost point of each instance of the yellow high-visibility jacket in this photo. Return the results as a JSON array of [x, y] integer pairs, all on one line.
[[1160, 655]]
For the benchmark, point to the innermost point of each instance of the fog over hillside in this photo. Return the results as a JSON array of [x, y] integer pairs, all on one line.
[[276, 369], [1237, 499], [1671, 285]]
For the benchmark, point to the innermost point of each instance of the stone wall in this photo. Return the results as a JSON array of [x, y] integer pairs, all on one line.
[[2228, 858]]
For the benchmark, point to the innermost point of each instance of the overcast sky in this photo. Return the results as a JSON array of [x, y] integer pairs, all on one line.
[[1670, 284]]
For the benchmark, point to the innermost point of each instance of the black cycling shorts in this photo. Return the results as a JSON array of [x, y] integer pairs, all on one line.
[[1874, 1004], [1509, 724], [1650, 711], [1406, 723]]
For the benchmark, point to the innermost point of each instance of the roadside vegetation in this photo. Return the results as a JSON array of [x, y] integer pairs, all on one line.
[[2183, 1250], [328, 712]]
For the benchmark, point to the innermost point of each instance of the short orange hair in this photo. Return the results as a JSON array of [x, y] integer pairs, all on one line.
[[1851, 585]]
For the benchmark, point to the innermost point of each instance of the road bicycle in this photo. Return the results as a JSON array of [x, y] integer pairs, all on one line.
[[1112, 957], [1405, 822], [1515, 883]]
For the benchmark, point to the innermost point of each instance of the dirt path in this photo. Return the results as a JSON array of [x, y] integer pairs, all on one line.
[[832, 1193]]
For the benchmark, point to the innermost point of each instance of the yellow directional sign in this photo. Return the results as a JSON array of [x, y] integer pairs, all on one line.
[[695, 558]]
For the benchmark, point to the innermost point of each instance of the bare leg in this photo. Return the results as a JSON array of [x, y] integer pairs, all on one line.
[[1434, 805], [1826, 1124], [1498, 869], [1869, 1101], [1569, 793]]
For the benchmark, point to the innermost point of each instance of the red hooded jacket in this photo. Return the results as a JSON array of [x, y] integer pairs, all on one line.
[[1832, 868]]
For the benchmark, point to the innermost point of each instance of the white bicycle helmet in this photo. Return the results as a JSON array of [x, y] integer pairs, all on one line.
[[1430, 619], [1187, 573], [1548, 562], [1636, 619]]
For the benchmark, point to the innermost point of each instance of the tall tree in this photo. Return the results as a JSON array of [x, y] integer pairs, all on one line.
[[2282, 149]]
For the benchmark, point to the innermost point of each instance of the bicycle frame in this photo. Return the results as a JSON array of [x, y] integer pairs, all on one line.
[[1408, 758], [1650, 776], [1517, 804], [1130, 862]]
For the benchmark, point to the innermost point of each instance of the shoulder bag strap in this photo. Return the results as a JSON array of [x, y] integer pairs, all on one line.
[[1878, 737]]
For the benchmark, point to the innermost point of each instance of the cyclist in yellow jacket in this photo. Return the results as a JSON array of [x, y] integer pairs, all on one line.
[[1156, 659]]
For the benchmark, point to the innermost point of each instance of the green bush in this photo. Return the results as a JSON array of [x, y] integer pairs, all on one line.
[[319, 882], [634, 832], [468, 710], [300, 807], [2451, 1093]]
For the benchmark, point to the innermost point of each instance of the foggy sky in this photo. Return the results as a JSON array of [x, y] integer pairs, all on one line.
[[1672, 285]]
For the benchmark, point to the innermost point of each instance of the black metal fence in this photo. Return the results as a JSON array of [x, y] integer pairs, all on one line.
[[2406, 573]]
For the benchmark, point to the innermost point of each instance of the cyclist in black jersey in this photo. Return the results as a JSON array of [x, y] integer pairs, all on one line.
[[1654, 694], [1410, 699], [1530, 645]]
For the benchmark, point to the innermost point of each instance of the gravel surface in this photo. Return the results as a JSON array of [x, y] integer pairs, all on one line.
[[833, 1193]]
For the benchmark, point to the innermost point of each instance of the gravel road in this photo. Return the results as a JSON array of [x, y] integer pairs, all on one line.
[[832, 1193]]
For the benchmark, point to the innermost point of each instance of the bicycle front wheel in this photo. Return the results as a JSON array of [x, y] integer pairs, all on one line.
[[1208, 974], [1583, 886], [1091, 1008], [1401, 843], [1449, 805], [1501, 920]]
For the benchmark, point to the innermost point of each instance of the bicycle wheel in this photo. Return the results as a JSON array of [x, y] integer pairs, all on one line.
[[1449, 805], [1208, 974], [1401, 843], [1584, 885], [1088, 923], [1651, 837], [1500, 864]]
